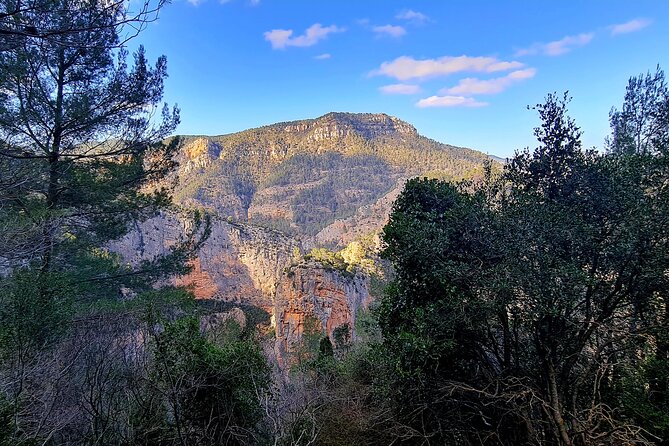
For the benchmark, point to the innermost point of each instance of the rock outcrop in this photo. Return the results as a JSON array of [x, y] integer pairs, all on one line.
[[238, 262], [340, 125], [199, 154], [329, 297], [256, 266]]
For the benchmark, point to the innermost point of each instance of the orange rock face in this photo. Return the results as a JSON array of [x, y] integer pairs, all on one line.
[[199, 281], [332, 298], [249, 265]]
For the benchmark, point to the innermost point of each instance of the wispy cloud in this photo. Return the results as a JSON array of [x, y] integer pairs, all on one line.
[[195, 2], [461, 94], [557, 47], [400, 89], [282, 38], [629, 27], [472, 86], [413, 16], [389, 30], [405, 67], [323, 56], [449, 101]]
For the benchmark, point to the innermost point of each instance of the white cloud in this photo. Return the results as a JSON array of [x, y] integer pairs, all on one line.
[[629, 27], [400, 89], [255, 2], [279, 38], [389, 30], [449, 101], [405, 67], [557, 47], [195, 2], [282, 38], [323, 56], [412, 16], [473, 86]]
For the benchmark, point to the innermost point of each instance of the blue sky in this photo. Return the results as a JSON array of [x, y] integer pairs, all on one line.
[[462, 72]]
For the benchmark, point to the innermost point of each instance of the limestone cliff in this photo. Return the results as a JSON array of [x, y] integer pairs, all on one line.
[[238, 263], [330, 297], [199, 155], [261, 267], [341, 125]]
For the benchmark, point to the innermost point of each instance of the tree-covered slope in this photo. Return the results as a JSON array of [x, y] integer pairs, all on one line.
[[302, 176]]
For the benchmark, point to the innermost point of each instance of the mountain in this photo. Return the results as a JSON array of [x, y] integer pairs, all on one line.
[[296, 209], [300, 177]]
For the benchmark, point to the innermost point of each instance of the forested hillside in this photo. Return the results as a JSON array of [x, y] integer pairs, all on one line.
[[301, 176]]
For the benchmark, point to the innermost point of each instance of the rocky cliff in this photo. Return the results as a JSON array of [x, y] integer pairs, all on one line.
[[243, 264], [238, 262], [329, 297], [340, 125]]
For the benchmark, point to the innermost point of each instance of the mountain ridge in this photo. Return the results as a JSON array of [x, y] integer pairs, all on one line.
[[341, 117]]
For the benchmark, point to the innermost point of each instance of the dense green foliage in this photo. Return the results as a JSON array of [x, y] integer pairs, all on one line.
[[529, 307], [213, 389], [93, 349]]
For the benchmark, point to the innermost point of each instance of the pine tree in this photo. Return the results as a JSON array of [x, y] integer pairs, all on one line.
[[83, 155], [78, 127]]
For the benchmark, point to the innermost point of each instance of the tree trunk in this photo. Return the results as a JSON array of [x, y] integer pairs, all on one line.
[[556, 406], [54, 166]]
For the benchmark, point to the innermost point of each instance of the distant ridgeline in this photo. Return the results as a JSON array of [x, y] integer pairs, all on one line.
[[302, 176]]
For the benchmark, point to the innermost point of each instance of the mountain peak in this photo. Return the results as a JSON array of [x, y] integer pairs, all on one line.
[[339, 124]]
